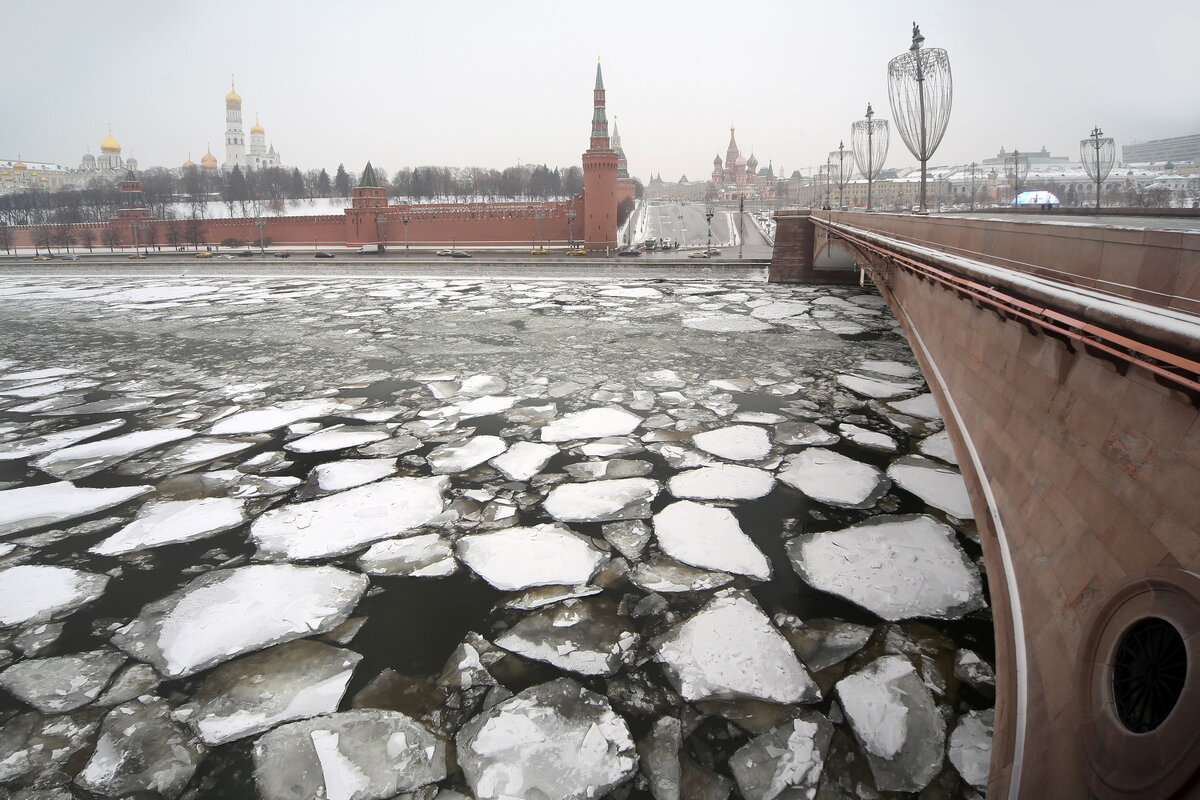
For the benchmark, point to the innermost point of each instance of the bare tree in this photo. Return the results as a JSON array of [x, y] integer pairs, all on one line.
[[174, 234], [111, 238], [64, 237], [6, 237], [43, 238], [87, 237], [194, 231]]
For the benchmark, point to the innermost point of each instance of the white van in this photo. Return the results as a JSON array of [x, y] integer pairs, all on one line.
[[369, 249]]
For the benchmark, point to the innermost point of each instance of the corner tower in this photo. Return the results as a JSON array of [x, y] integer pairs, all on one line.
[[235, 139], [599, 179]]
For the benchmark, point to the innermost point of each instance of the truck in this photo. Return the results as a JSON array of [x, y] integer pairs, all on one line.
[[370, 250]]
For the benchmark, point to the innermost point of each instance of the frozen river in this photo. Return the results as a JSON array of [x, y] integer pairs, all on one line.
[[442, 538]]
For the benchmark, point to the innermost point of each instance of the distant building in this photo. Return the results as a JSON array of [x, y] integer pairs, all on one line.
[[1034, 157], [19, 176], [258, 156], [1179, 148], [740, 176], [110, 160]]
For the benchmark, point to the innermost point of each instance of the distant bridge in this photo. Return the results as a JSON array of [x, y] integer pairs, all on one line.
[[1065, 359]]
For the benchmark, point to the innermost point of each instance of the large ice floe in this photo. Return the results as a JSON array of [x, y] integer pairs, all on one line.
[[174, 521], [735, 443], [593, 423], [37, 445], [227, 613], [970, 746], [524, 460], [555, 740], [729, 650], [61, 683], [339, 437], [897, 567], [335, 476], [82, 460], [722, 482], [32, 593], [938, 485], [709, 538], [461, 456], [833, 478], [34, 506], [602, 501], [896, 722], [426, 555], [784, 762], [291, 681], [542, 555], [368, 754], [262, 420], [141, 749], [347, 521], [579, 635]]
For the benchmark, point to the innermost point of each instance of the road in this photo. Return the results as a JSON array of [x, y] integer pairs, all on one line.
[[685, 223], [1113, 221]]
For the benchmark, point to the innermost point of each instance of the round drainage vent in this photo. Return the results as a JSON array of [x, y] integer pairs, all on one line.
[[1149, 669]]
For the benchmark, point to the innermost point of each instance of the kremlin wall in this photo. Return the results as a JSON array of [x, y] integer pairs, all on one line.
[[589, 219]]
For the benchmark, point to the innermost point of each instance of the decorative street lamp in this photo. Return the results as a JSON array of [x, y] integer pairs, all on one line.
[[262, 243], [708, 215], [974, 173], [921, 92], [571, 227], [1098, 156], [539, 216], [404, 218], [1016, 169], [869, 138], [841, 162]]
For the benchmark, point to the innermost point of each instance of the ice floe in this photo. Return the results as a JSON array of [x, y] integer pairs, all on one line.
[[709, 538], [938, 485], [461, 456], [524, 460], [344, 522], [291, 681], [543, 555], [875, 388], [263, 420], [48, 503], [37, 445], [227, 613], [594, 423], [897, 567], [174, 521], [338, 437], [32, 593], [334, 476], [736, 443], [579, 635], [555, 740], [141, 749], [730, 651], [970, 747], [894, 718], [61, 683], [784, 762], [834, 479], [427, 555], [722, 482], [602, 501], [81, 460]]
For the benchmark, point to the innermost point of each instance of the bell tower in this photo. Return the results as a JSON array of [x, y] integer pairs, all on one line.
[[599, 179]]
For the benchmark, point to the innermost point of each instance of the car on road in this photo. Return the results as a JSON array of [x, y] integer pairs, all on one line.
[[698, 254], [323, 254], [43, 258], [283, 254], [206, 255], [629, 253], [246, 253], [539, 251], [223, 255], [69, 258], [712, 251], [136, 255], [445, 252], [576, 251], [460, 254]]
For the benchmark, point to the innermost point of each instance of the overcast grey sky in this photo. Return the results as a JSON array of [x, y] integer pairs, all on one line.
[[490, 83]]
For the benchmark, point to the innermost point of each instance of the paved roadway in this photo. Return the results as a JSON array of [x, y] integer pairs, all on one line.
[[685, 223]]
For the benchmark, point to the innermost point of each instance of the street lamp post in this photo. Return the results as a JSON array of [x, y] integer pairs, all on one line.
[[921, 91], [539, 216], [571, 228], [405, 220], [262, 242], [1098, 156], [1016, 169], [869, 137], [844, 171], [708, 215]]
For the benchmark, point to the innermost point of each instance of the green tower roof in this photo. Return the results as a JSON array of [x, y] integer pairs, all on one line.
[[368, 177]]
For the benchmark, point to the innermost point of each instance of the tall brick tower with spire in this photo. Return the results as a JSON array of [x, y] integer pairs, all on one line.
[[599, 179]]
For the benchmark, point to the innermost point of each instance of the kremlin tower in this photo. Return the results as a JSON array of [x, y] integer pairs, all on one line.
[[235, 139], [599, 179]]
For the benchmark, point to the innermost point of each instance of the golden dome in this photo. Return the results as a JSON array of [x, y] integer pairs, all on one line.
[[256, 128], [233, 98], [19, 165], [109, 145], [209, 160], [188, 163]]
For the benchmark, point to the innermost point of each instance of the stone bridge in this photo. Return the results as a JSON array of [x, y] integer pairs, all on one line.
[[1065, 358]]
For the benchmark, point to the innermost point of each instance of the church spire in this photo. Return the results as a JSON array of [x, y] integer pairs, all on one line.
[[599, 75]]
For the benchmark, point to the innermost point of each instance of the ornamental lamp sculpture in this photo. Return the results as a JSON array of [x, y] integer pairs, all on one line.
[[841, 167], [869, 138], [1016, 169], [1098, 155], [921, 91]]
